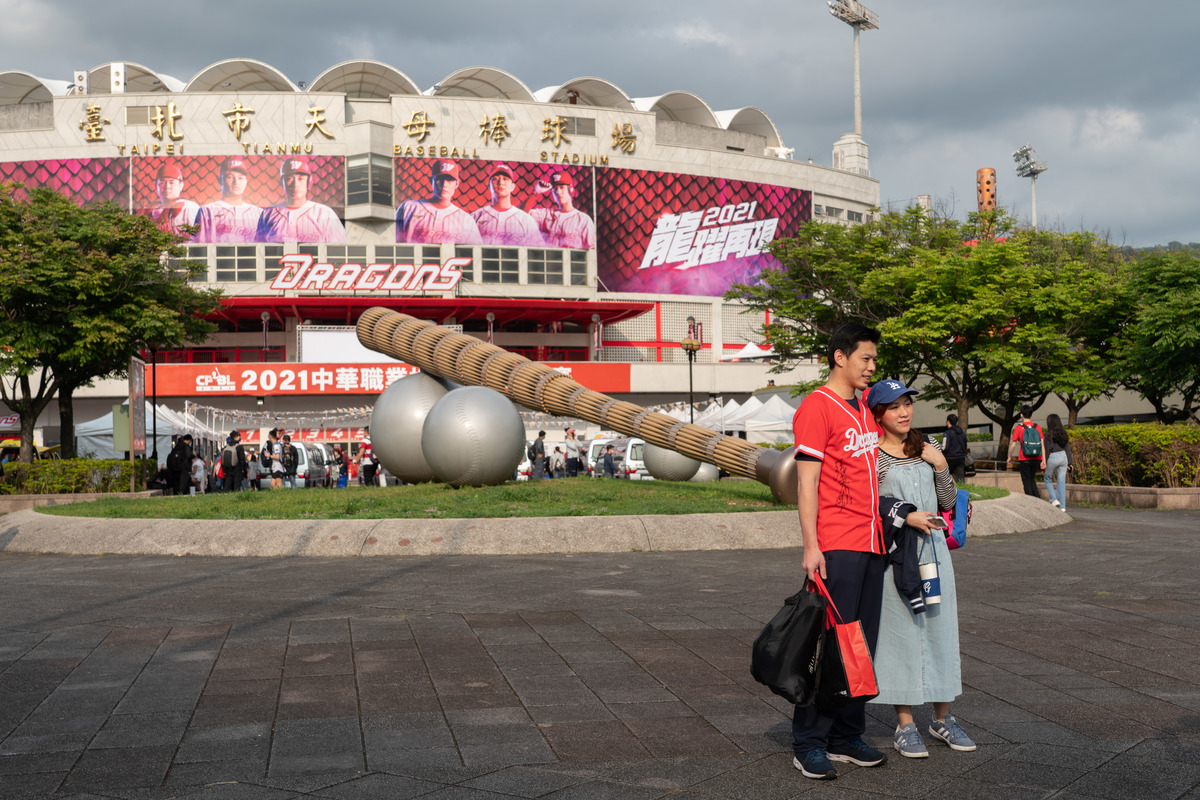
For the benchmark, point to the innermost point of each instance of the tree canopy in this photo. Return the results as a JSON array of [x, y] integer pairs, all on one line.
[[81, 291], [992, 322]]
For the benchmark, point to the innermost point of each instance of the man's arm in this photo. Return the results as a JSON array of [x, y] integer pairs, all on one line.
[[809, 478]]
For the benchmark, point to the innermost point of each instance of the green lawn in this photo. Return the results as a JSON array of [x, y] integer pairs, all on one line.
[[984, 492], [568, 497]]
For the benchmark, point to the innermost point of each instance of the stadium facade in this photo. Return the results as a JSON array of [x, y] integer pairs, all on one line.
[[574, 224]]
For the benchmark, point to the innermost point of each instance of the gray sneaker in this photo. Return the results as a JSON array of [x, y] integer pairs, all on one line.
[[909, 743], [950, 732]]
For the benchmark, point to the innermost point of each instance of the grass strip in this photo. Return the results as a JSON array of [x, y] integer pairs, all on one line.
[[564, 497]]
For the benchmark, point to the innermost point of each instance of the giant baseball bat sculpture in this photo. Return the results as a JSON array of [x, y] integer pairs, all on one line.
[[472, 362]]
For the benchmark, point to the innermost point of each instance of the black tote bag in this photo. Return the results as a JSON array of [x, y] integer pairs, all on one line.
[[786, 656]]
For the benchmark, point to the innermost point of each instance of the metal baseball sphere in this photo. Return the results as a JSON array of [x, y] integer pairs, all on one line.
[[706, 474], [473, 436], [668, 465], [396, 424]]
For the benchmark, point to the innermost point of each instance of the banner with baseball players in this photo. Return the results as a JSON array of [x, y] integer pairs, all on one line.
[[500, 203], [245, 198], [669, 233]]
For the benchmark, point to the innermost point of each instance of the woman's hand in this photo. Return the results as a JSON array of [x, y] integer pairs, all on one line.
[[919, 520], [931, 455]]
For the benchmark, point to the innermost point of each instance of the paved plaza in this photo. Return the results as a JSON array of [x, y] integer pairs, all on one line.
[[615, 675]]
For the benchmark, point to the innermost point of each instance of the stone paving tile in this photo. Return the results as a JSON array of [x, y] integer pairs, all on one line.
[[378, 786]]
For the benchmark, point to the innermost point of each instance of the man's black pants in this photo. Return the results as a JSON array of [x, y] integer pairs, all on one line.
[[855, 582]]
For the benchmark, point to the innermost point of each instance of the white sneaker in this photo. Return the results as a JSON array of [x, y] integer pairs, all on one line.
[[1055, 504]]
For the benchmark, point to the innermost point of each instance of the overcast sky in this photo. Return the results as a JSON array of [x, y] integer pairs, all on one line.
[[1106, 94]]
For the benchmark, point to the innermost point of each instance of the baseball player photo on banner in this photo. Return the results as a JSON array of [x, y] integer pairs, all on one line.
[[667, 233], [500, 203], [244, 198]]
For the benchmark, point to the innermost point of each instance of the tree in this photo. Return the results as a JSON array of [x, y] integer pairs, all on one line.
[[1159, 350], [985, 320], [103, 286]]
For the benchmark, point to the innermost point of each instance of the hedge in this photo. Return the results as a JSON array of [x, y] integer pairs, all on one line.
[[1150, 455], [72, 476]]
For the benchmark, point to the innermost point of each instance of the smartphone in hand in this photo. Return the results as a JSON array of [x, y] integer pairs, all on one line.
[[936, 522]]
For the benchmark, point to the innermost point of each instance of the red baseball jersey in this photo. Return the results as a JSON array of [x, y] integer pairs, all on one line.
[[845, 441]]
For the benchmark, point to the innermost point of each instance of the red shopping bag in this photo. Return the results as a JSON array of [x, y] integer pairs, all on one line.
[[847, 672]]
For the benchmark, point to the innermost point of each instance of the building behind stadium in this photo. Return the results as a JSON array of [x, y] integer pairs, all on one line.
[[670, 203]]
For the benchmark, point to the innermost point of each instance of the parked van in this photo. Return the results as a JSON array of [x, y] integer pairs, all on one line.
[[310, 467], [628, 458], [593, 454]]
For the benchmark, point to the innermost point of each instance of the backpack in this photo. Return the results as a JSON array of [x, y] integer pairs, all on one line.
[[173, 459], [228, 459], [532, 454], [957, 519], [264, 456], [1031, 441]]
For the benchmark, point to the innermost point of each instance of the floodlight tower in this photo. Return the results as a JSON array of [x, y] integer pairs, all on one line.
[[1028, 166], [850, 151]]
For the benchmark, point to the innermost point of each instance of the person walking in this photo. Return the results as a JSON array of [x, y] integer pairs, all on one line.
[[275, 448], [1027, 448], [838, 489], [1058, 461], [917, 657], [368, 465], [558, 464], [954, 446], [608, 467]]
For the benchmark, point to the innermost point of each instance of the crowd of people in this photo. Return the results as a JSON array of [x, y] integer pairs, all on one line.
[[236, 467]]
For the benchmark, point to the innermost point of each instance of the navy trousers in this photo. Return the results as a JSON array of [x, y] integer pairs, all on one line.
[[855, 582]]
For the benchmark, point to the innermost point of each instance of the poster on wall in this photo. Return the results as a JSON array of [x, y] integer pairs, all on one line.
[[245, 198], [667, 233], [85, 180], [498, 203]]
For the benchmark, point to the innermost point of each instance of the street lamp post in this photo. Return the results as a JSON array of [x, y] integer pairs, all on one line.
[[691, 344], [153, 404]]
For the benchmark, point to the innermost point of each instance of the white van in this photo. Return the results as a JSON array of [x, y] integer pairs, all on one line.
[[310, 467]]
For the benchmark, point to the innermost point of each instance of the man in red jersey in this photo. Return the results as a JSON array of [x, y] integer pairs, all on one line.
[[836, 441]]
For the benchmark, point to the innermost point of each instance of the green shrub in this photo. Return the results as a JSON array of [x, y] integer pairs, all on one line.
[[72, 476], [1153, 455]]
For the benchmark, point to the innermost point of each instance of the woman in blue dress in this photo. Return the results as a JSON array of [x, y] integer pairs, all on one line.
[[917, 657]]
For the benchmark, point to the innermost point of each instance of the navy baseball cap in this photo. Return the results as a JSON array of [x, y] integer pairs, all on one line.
[[888, 391]]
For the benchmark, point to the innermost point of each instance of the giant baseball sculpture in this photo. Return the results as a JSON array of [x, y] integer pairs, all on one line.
[[472, 362]]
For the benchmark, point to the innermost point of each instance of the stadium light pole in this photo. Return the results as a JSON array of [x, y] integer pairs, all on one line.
[[860, 18], [1028, 166]]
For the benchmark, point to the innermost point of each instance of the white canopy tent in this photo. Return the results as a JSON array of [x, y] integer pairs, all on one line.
[[737, 421], [715, 415], [749, 353], [771, 423], [95, 437]]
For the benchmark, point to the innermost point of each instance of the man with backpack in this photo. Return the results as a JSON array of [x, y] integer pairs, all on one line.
[[233, 462], [291, 460], [1028, 448]]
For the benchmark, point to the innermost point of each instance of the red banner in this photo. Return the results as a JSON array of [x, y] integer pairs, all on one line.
[[208, 382]]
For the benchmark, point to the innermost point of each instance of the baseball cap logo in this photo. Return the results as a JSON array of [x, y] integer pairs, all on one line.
[[893, 385]]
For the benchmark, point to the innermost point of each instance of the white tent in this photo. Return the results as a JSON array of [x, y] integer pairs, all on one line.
[[95, 437], [771, 423], [737, 421], [749, 353], [715, 415]]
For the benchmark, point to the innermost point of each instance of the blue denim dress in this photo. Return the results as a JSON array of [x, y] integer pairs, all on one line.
[[917, 656]]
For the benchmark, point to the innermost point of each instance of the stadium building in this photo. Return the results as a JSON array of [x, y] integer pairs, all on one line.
[[574, 224]]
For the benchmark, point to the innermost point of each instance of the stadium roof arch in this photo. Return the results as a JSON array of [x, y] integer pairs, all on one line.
[[679, 106], [138, 79], [484, 82], [18, 87], [751, 119], [364, 80], [588, 91], [240, 75]]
